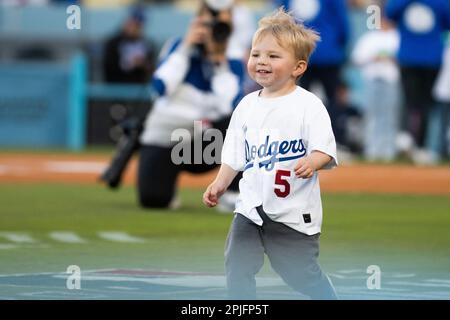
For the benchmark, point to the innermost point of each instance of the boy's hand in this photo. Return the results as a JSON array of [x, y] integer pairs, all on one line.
[[304, 168], [212, 194]]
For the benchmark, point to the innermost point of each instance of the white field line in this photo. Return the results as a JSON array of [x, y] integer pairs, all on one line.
[[118, 236], [348, 271], [362, 275], [66, 237], [122, 288], [7, 246], [64, 294], [401, 275], [385, 293], [438, 281], [184, 281], [17, 237], [62, 273], [419, 284], [75, 166]]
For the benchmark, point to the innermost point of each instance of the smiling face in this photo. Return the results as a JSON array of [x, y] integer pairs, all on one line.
[[274, 67]]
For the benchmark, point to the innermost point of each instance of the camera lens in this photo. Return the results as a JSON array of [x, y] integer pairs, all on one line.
[[220, 31]]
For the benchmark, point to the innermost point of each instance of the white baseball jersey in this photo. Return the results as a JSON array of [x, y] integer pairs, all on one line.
[[265, 139]]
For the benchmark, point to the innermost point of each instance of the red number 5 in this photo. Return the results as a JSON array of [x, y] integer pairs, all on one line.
[[282, 182]]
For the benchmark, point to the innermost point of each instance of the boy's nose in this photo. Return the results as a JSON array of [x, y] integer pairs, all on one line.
[[262, 60]]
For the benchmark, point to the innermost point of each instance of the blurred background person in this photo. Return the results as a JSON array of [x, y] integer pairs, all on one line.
[[330, 19], [128, 57], [196, 81], [439, 137], [348, 124], [244, 26], [66, 2], [375, 52], [421, 24], [24, 2]]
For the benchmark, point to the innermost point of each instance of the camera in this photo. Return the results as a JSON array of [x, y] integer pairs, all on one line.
[[220, 30]]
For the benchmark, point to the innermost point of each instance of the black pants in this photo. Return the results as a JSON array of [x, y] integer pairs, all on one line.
[[417, 83], [293, 255], [329, 78], [157, 173]]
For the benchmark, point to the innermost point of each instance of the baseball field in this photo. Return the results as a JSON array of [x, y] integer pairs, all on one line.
[[54, 214]]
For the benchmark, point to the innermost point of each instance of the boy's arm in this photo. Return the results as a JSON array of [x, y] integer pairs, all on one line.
[[218, 187], [306, 166]]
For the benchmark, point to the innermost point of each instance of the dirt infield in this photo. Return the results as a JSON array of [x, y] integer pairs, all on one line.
[[34, 168]]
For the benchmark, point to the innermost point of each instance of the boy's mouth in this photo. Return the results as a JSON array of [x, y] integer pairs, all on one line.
[[263, 71]]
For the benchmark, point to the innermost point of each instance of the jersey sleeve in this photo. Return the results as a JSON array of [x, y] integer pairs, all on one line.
[[172, 69], [320, 135], [233, 151]]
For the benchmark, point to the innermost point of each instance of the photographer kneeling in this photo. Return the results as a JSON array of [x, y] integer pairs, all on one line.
[[196, 82]]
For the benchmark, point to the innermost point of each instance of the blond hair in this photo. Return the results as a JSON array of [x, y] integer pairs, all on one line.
[[289, 33]]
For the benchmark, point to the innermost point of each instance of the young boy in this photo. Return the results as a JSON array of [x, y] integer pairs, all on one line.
[[279, 137]]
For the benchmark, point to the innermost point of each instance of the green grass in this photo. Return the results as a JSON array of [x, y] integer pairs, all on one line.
[[396, 231], [100, 150]]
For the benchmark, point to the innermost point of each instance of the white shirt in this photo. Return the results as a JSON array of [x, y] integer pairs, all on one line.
[[441, 88], [266, 138], [374, 45]]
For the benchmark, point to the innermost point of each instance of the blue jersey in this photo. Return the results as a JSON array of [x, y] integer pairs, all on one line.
[[330, 19], [421, 24]]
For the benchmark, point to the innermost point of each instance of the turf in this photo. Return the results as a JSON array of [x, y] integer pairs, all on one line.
[[398, 232]]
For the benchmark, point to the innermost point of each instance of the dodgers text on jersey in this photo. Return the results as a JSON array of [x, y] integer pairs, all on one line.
[[271, 152]]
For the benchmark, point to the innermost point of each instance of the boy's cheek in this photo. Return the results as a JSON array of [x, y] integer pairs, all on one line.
[[250, 69]]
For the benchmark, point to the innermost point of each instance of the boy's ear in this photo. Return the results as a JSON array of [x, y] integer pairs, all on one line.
[[301, 67]]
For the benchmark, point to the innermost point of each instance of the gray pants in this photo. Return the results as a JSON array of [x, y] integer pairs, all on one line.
[[293, 255]]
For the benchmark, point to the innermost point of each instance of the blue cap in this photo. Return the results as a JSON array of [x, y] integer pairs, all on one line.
[[138, 14]]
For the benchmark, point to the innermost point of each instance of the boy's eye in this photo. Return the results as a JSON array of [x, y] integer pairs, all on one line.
[[273, 56], [255, 55]]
